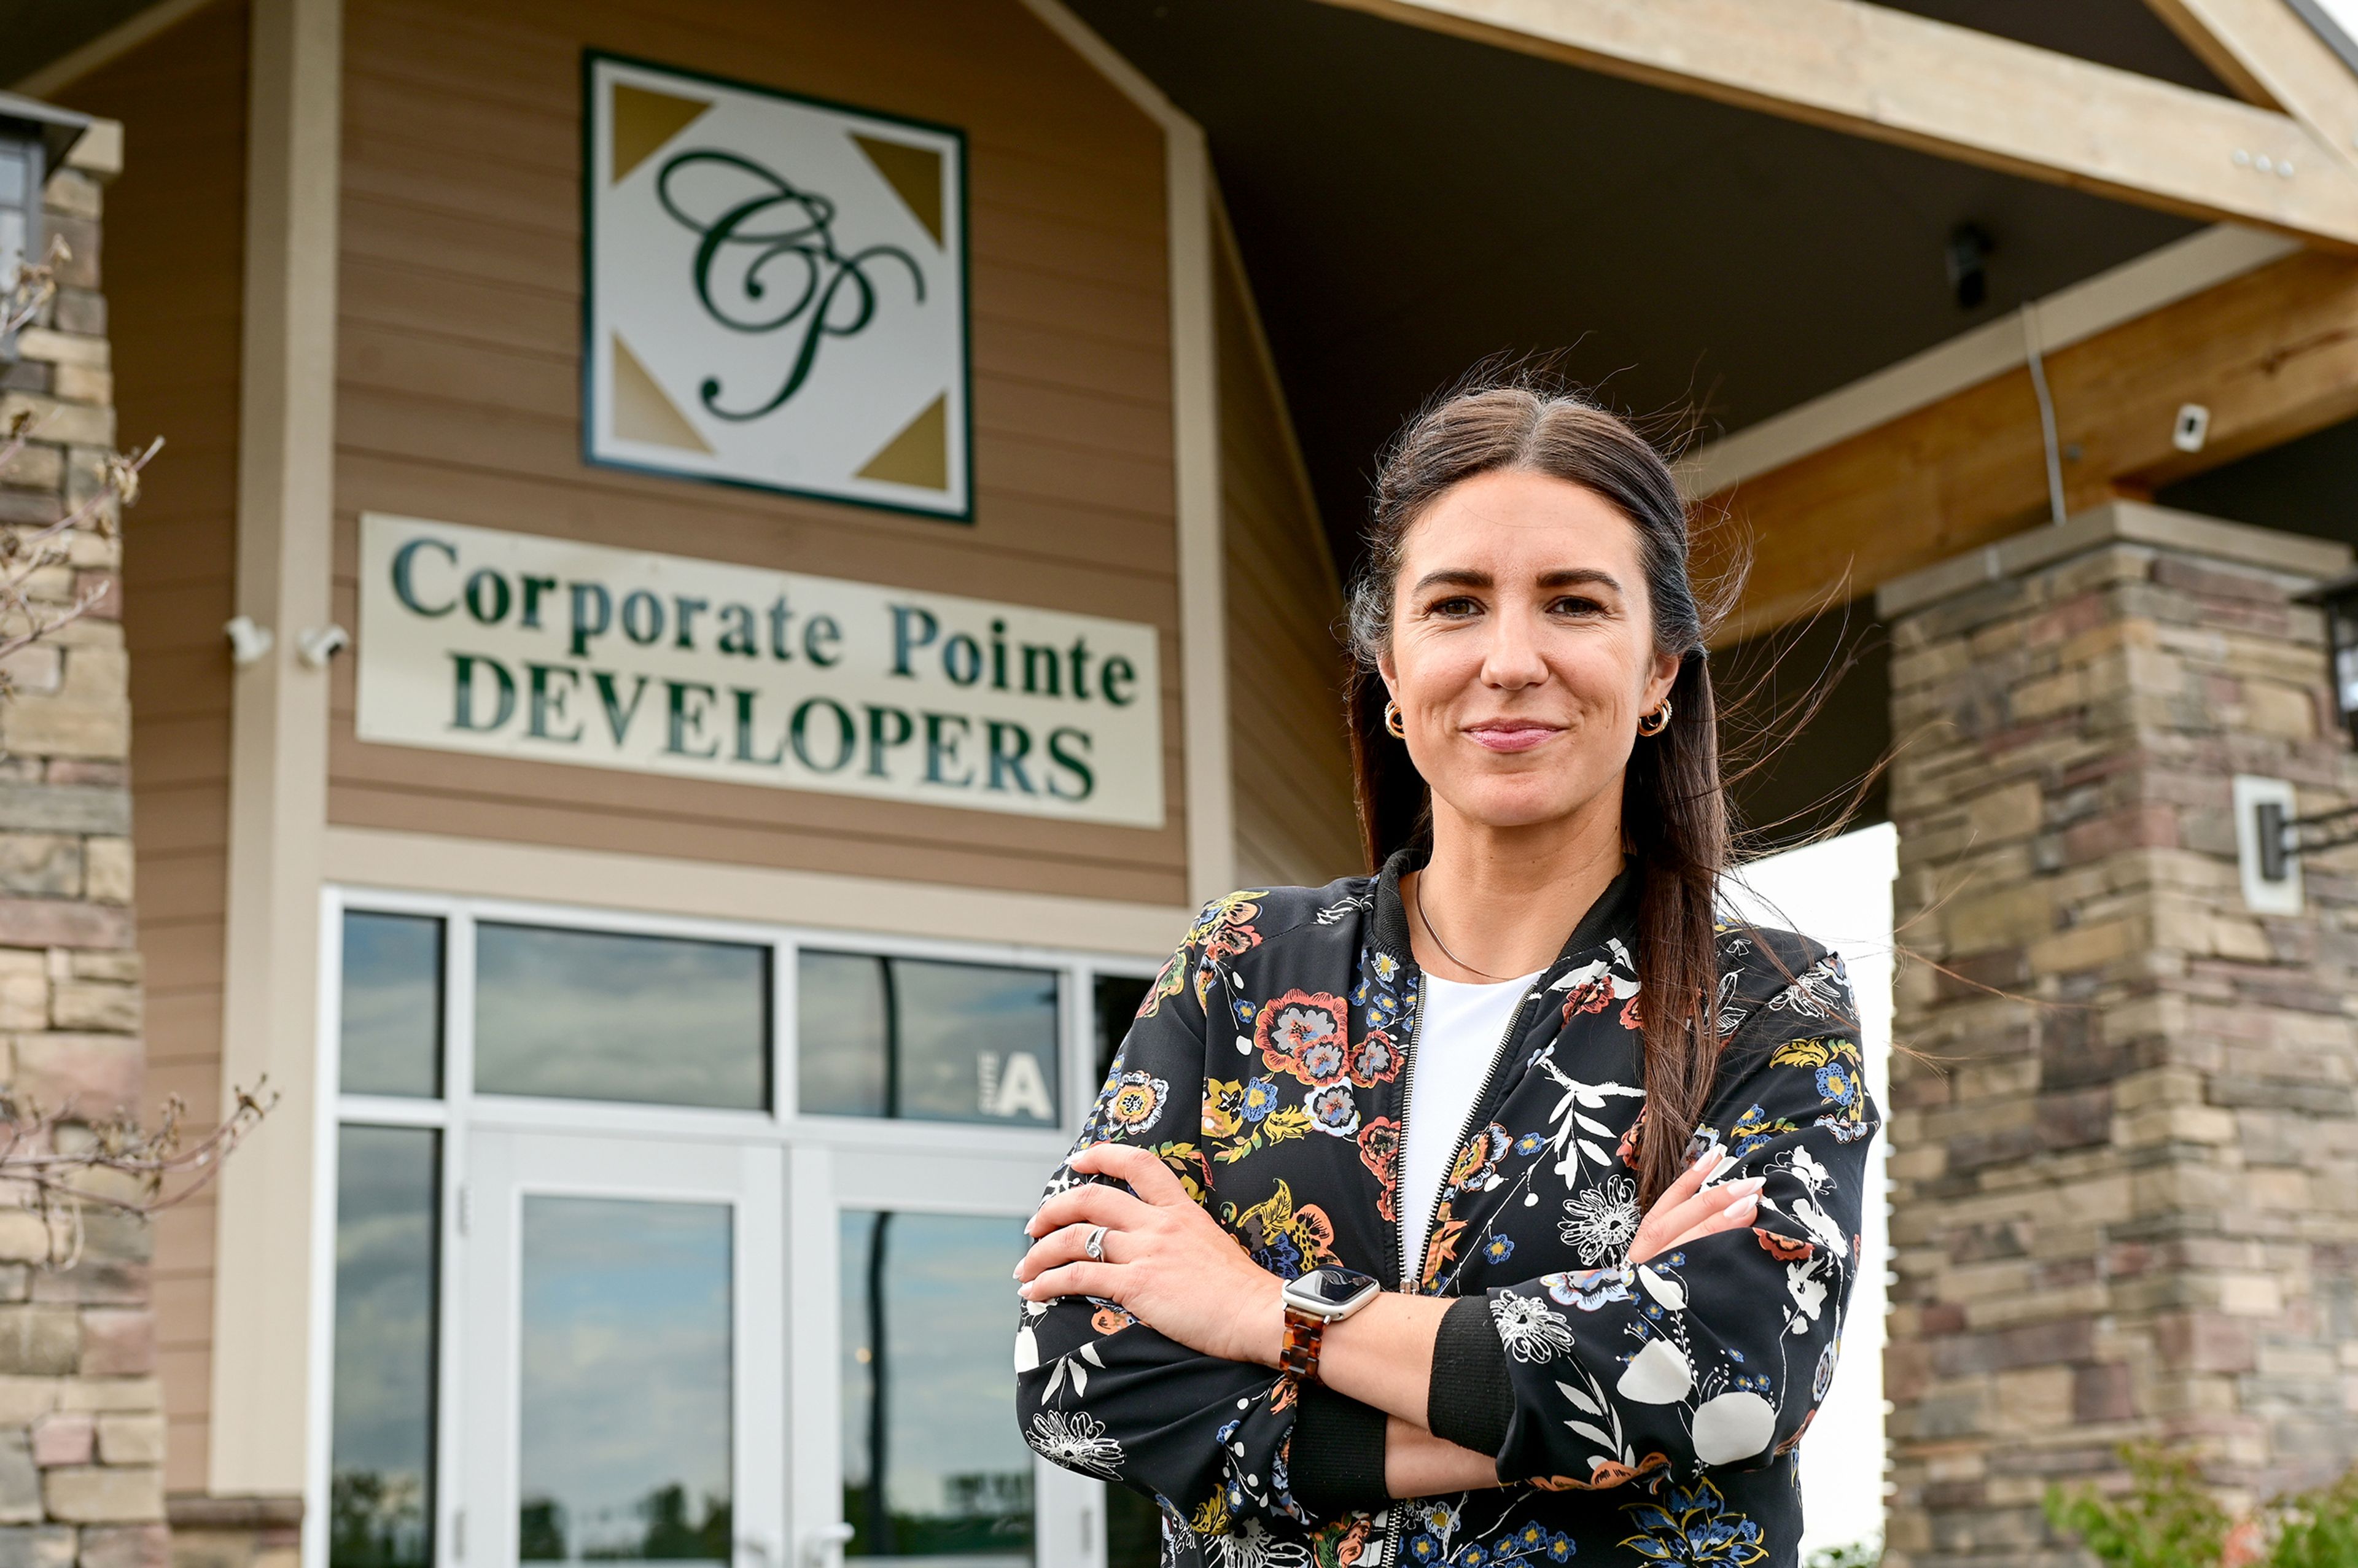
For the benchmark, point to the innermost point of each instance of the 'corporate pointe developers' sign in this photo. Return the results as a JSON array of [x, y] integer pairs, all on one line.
[[519, 645]]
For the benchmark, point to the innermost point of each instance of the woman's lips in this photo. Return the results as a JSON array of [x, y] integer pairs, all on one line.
[[1511, 735]]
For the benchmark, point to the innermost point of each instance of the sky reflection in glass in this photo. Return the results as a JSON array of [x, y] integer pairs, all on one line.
[[381, 1501], [975, 1042], [958, 1475], [625, 1399], [606, 1016]]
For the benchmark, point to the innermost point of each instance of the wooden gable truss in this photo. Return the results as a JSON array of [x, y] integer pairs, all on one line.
[[2271, 351]]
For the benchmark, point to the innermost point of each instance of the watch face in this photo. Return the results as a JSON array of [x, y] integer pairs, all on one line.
[[1329, 1288]]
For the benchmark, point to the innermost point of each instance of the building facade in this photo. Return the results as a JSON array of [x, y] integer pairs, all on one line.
[[732, 1032], [727, 578]]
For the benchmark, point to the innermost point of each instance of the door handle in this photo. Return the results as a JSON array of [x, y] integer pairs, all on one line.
[[761, 1547], [822, 1547]]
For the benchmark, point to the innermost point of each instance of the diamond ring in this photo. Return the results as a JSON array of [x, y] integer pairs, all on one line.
[[1095, 1246]]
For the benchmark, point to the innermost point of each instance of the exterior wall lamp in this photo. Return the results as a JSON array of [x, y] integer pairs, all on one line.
[[2339, 600], [2269, 838], [34, 139]]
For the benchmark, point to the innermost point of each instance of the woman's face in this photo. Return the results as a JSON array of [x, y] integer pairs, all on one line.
[[1523, 649]]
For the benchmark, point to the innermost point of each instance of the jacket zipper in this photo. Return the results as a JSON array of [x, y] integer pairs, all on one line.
[[1397, 1533]]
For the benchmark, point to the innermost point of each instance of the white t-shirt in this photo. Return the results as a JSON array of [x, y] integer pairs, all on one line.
[[1457, 1038]]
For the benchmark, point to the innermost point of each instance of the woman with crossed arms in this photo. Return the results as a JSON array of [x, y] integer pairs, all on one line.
[[1501, 1207]]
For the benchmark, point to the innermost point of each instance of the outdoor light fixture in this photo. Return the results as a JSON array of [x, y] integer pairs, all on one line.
[[2270, 838], [34, 139], [2280, 836], [2339, 600]]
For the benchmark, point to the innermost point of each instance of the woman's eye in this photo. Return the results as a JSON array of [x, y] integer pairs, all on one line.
[[1572, 604], [1458, 606]]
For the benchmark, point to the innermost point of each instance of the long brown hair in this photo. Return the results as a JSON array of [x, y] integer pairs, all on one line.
[[1672, 818]]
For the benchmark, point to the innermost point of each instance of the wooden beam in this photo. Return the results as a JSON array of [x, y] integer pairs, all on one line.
[[2223, 62], [2136, 288], [2273, 354], [1877, 72], [2272, 57]]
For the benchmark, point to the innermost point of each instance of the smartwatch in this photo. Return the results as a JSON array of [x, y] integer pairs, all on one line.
[[1318, 1297]]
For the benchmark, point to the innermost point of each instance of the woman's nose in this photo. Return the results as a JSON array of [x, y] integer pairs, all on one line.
[[1512, 658]]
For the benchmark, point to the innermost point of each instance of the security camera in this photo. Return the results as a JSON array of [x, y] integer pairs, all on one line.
[[2191, 428], [249, 643], [320, 644], [1968, 262]]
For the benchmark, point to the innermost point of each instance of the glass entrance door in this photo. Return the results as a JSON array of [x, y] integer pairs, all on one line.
[[688, 1242], [623, 1362], [904, 1335]]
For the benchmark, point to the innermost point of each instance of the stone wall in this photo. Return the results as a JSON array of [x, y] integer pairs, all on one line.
[[82, 1433], [2124, 1162]]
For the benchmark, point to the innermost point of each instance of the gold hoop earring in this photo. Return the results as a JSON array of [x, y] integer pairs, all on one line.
[[1654, 723], [1394, 725]]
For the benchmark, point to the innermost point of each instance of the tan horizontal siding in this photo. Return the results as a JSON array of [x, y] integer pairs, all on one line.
[[719, 523], [174, 231], [1292, 764], [459, 394], [525, 819], [982, 65]]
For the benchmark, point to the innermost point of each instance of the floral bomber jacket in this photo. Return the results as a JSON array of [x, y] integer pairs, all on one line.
[[1639, 1415]]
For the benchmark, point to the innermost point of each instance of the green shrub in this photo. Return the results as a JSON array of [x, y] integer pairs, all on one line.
[[2167, 1518], [1857, 1554], [2320, 1529]]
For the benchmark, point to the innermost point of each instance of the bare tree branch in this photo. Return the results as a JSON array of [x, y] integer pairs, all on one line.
[[56, 1164]]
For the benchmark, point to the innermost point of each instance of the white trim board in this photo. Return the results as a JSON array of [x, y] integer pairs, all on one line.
[[2161, 277], [265, 1354], [1195, 442], [651, 884]]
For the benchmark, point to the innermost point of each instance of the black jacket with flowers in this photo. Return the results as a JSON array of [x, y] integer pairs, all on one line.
[[1639, 1415]]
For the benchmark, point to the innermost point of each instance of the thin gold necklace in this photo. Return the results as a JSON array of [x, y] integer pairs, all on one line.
[[1417, 894]]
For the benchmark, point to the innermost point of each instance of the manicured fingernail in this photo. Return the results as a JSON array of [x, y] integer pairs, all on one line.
[[1750, 1183], [1740, 1206]]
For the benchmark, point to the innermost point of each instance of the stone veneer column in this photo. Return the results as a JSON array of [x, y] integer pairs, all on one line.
[[2125, 1168], [81, 1429]]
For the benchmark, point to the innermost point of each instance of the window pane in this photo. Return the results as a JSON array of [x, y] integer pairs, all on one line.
[[12, 240], [1119, 998], [921, 1038], [599, 1015], [380, 1503], [392, 1004], [925, 1327], [623, 1439], [839, 1036]]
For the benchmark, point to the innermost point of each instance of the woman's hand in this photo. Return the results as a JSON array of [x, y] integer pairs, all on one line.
[[1166, 1261], [1688, 1210]]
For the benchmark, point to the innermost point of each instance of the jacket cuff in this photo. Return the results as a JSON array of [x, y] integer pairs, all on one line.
[[1336, 1465], [1471, 1399]]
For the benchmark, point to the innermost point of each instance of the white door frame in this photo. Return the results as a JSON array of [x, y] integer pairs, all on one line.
[[821, 1164], [507, 1167], [1067, 1510]]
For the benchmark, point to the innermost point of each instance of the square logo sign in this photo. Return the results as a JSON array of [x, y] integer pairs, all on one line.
[[776, 291]]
